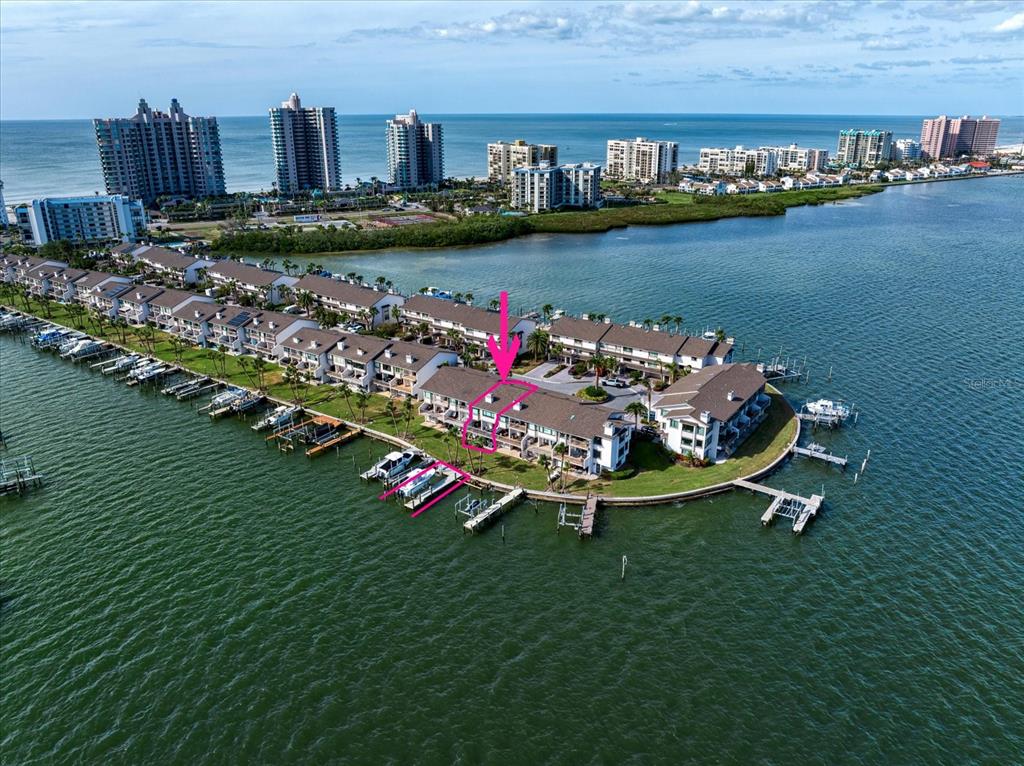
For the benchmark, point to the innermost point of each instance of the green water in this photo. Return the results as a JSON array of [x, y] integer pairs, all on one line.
[[180, 593]]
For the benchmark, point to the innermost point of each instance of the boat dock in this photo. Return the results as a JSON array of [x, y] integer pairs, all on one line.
[[445, 482], [785, 505], [582, 521], [18, 475], [818, 452], [334, 441], [494, 510]]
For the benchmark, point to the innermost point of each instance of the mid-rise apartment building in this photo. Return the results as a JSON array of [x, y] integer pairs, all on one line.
[[546, 187], [798, 158], [864, 148], [504, 157], [906, 150], [641, 159], [154, 153], [99, 218], [738, 161], [305, 140], [415, 151], [943, 137]]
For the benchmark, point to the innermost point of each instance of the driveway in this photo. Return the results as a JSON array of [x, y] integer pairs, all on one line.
[[564, 383]]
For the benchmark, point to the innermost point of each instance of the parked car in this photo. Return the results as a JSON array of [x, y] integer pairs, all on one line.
[[616, 383]]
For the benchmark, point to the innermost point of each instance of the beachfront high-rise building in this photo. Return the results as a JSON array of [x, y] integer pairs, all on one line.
[[738, 161], [155, 153], [4, 220], [796, 158], [415, 151], [943, 136], [503, 158], [97, 218], [641, 160], [864, 148], [305, 146], [547, 187], [906, 150]]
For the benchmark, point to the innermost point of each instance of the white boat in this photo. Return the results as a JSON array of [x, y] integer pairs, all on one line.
[[226, 398], [275, 418], [84, 350], [120, 364], [391, 465], [826, 408], [420, 482], [72, 349]]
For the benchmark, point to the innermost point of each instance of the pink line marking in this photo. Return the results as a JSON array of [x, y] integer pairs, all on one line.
[[497, 418], [465, 478]]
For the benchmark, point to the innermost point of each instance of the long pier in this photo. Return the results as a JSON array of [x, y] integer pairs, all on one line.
[[785, 505], [494, 510]]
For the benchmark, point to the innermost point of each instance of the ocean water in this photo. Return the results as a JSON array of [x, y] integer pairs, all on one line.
[[58, 157], [180, 593]]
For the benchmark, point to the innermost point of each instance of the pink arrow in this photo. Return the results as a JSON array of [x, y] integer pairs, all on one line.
[[504, 350]]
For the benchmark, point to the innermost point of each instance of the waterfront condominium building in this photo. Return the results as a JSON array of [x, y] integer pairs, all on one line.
[[906, 150], [640, 159], [864, 148], [545, 187], [415, 151], [943, 136], [153, 153], [305, 146], [796, 158], [503, 158], [4, 220], [737, 162], [81, 219]]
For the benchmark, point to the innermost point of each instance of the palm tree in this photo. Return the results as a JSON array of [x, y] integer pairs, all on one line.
[[362, 399], [304, 300], [396, 313], [649, 387], [422, 330], [664, 321], [538, 343], [545, 463], [673, 371], [147, 337], [547, 310], [637, 410], [457, 297], [346, 394], [647, 324], [469, 298], [561, 450], [494, 304], [678, 320], [408, 408], [392, 410], [454, 338], [600, 365], [720, 335]]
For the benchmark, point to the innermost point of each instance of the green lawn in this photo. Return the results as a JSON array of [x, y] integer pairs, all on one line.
[[675, 198], [657, 474]]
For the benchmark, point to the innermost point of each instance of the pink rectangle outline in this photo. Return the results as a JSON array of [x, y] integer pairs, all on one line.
[[497, 418], [465, 478]]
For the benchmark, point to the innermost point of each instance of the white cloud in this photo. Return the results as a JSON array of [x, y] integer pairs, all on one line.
[[1012, 24]]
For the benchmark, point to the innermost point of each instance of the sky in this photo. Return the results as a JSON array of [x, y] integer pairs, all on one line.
[[876, 57]]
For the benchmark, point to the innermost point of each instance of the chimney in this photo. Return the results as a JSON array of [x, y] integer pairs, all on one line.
[[607, 320], [656, 327], [138, 295], [388, 353], [731, 396], [341, 345], [314, 344], [705, 416], [197, 313], [360, 352], [220, 315], [585, 317], [408, 359], [518, 406], [489, 398]]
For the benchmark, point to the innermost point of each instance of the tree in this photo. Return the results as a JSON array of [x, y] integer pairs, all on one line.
[[408, 408], [601, 365], [538, 343], [673, 371], [545, 463], [494, 304], [547, 310], [396, 313], [469, 298], [147, 337], [346, 394], [678, 320], [455, 339], [720, 335], [561, 450], [637, 410], [392, 410], [362, 399]]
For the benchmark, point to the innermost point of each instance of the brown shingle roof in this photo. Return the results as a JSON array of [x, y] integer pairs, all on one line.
[[301, 339], [244, 273], [581, 329], [140, 294], [93, 278], [708, 390], [370, 345], [470, 317], [558, 412], [420, 354], [171, 298], [645, 340], [165, 258], [343, 292]]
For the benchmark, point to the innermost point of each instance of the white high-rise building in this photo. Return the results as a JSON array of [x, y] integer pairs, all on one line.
[[99, 218], [797, 158], [305, 147], [4, 220], [153, 153], [641, 160], [864, 148], [738, 161], [504, 157], [546, 187], [415, 151]]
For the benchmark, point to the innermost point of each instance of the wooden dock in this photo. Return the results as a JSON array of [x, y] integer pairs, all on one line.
[[494, 510], [785, 505], [589, 517], [337, 441], [821, 454], [449, 482]]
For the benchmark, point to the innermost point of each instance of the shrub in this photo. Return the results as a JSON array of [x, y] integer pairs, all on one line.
[[592, 393]]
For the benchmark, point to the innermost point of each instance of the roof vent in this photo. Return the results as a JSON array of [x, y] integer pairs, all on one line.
[[585, 317], [518, 406]]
